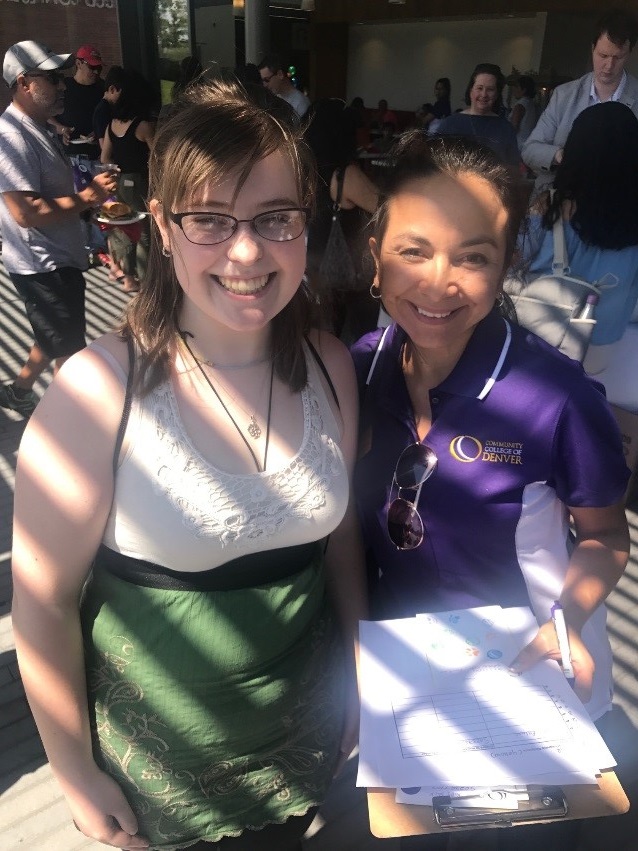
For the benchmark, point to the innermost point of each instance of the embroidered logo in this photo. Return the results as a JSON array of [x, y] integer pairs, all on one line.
[[467, 449]]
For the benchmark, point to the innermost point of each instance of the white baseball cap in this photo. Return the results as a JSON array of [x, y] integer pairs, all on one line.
[[28, 56]]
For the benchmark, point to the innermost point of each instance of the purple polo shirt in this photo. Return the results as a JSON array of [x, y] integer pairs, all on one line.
[[520, 432]]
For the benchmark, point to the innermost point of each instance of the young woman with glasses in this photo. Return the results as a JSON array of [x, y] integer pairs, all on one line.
[[479, 442], [199, 690]]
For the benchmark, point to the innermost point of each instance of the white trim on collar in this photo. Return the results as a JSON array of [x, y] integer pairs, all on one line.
[[491, 381]]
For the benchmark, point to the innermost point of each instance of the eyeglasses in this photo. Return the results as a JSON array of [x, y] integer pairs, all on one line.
[[54, 77], [266, 80], [97, 69], [212, 228], [415, 466]]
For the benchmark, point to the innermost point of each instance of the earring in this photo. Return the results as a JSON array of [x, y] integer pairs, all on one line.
[[375, 291], [500, 300], [165, 251]]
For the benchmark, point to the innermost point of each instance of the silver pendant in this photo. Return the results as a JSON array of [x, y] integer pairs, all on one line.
[[253, 429]]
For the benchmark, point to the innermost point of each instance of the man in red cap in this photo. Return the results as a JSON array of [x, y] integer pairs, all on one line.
[[84, 90]]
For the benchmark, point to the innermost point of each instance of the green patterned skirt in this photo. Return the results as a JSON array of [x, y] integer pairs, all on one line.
[[216, 711]]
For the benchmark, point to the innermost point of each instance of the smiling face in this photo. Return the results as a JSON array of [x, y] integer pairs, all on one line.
[[483, 94], [440, 262], [608, 60], [242, 283]]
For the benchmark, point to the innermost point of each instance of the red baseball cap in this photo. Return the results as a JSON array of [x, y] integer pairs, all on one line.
[[90, 54]]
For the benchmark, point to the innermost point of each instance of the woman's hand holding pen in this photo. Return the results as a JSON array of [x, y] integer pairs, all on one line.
[[544, 645]]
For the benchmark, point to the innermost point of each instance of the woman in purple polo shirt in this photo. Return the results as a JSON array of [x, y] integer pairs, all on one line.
[[479, 441]]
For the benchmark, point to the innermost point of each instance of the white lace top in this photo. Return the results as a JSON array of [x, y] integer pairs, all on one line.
[[174, 508]]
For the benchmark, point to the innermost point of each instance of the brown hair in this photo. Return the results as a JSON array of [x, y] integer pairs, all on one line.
[[216, 129]]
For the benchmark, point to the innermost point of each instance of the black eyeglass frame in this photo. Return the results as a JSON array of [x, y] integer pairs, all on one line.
[[177, 218], [411, 537]]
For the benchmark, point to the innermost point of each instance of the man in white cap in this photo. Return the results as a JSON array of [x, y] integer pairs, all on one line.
[[42, 238]]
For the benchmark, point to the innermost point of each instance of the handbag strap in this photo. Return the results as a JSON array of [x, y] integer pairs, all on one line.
[[341, 173], [560, 263], [128, 400]]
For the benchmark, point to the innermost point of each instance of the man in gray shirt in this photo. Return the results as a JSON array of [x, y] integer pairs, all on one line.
[[42, 239]]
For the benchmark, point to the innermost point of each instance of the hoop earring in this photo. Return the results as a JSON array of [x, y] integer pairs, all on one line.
[[375, 291], [165, 251]]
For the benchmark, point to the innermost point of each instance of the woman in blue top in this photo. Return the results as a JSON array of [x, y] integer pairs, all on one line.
[[481, 119], [596, 193]]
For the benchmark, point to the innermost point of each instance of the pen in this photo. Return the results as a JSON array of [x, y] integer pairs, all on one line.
[[558, 617]]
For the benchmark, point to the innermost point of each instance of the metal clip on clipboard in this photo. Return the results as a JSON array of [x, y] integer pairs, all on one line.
[[545, 803]]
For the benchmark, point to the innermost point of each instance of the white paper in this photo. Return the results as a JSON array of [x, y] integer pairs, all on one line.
[[439, 705]]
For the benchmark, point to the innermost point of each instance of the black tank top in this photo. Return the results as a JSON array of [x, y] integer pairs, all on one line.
[[128, 152]]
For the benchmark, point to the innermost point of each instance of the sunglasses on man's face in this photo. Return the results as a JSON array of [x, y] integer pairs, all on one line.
[[97, 69], [415, 466]]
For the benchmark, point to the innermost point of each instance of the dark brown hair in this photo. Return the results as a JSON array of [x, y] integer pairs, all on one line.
[[217, 129]]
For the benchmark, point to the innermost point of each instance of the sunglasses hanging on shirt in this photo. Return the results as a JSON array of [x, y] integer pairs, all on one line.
[[414, 467]]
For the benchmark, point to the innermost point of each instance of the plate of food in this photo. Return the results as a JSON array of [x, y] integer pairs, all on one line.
[[118, 213]]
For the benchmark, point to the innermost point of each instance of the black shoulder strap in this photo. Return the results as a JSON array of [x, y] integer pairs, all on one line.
[[128, 399], [322, 367]]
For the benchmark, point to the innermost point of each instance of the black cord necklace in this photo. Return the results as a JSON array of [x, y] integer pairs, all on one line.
[[253, 427]]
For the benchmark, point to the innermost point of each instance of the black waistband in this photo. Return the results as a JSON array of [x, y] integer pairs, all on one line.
[[243, 572]]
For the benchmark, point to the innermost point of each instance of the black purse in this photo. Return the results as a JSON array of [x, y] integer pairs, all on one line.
[[337, 270]]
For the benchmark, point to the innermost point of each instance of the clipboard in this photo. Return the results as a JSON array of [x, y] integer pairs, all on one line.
[[389, 819]]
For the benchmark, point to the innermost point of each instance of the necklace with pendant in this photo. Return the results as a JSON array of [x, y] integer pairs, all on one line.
[[253, 428]]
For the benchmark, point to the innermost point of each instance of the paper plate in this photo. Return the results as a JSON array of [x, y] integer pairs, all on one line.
[[129, 220]]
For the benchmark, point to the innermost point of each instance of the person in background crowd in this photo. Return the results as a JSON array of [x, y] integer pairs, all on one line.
[[430, 115], [103, 112], [524, 114], [101, 117], [248, 75], [613, 40], [597, 197], [190, 70], [331, 134], [203, 692], [481, 119], [42, 236], [385, 117], [83, 92], [127, 142], [274, 75]]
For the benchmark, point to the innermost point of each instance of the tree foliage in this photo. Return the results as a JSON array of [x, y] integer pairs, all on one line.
[[173, 22]]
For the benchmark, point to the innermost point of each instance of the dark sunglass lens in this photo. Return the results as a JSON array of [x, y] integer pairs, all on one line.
[[415, 465], [405, 526]]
